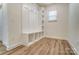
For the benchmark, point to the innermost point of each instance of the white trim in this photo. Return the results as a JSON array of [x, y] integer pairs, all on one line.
[[60, 38], [44, 37], [13, 46], [21, 43], [5, 44], [73, 48]]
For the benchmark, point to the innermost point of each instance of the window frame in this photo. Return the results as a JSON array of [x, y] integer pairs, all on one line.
[[53, 16]]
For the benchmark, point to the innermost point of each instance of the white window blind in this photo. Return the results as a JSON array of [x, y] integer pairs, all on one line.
[[52, 15]]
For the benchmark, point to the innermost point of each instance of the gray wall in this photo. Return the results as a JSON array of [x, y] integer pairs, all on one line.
[[74, 26], [1, 22]]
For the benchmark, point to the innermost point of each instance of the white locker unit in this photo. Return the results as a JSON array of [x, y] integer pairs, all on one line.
[[31, 22]]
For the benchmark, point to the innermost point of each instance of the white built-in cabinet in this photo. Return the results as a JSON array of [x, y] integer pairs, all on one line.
[[30, 19], [22, 24], [32, 22]]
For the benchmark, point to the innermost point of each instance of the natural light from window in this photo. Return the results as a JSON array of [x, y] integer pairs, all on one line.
[[52, 15]]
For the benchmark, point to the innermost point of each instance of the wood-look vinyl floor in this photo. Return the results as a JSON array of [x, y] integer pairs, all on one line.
[[45, 46]]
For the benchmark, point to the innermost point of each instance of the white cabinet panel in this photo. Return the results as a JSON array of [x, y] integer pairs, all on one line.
[[30, 19], [25, 19]]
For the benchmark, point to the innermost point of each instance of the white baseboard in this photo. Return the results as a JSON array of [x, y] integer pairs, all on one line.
[[5, 44], [61, 38], [73, 48], [14, 46], [43, 37]]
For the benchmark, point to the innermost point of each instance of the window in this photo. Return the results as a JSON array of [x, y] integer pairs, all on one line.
[[52, 15]]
